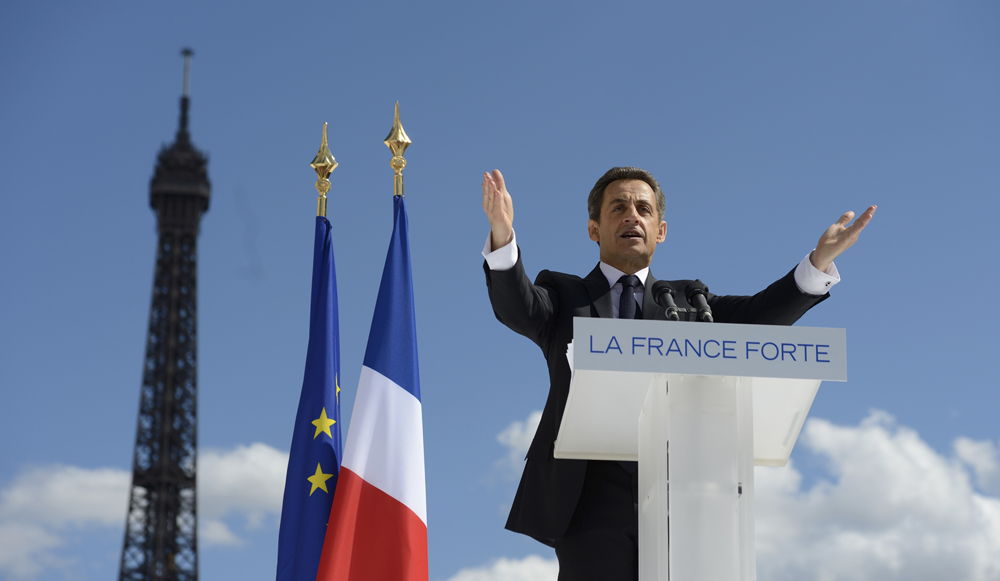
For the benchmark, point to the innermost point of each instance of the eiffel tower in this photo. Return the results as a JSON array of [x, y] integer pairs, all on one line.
[[161, 541]]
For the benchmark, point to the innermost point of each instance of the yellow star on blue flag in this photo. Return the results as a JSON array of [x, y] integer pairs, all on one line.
[[323, 424], [318, 480]]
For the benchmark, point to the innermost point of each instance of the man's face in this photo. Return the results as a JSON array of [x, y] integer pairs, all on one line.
[[630, 226]]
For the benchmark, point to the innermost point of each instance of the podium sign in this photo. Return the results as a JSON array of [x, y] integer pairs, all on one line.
[[698, 405], [769, 351]]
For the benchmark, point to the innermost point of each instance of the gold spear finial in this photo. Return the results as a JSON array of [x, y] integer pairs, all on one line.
[[324, 164], [397, 141]]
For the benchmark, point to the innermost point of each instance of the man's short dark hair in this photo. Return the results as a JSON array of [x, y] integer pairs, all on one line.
[[614, 174]]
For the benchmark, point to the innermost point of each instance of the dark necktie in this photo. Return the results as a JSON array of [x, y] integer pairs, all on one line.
[[627, 310], [627, 304]]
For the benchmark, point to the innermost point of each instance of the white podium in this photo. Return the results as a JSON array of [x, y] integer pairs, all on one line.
[[698, 405]]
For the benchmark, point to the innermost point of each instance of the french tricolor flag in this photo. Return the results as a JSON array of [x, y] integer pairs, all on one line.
[[378, 521]]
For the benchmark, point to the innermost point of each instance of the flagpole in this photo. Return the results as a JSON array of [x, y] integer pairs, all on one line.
[[324, 164], [397, 141]]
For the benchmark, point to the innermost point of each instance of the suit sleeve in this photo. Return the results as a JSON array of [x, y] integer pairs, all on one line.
[[527, 309], [781, 303]]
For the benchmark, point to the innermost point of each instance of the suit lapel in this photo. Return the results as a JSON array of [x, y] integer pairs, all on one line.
[[600, 294]]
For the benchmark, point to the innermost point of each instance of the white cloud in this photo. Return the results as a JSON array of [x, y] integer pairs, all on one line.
[[25, 549], [517, 437], [42, 503], [893, 509], [58, 496], [214, 532], [530, 568], [249, 480], [984, 459], [43, 506]]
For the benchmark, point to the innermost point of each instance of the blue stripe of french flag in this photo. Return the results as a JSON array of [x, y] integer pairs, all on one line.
[[378, 521]]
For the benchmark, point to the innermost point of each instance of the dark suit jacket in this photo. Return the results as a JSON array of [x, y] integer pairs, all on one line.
[[543, 312]]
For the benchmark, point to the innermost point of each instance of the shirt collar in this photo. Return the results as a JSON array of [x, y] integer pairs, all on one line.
[[613, 274]]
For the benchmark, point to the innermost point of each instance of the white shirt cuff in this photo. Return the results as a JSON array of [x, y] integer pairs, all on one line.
[[811, 280], [503, 258]]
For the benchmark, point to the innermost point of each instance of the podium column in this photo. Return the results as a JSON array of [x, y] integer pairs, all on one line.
[[696, 476]]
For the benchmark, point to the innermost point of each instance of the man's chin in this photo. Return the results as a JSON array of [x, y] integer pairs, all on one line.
[[633, 259], [634, 247]]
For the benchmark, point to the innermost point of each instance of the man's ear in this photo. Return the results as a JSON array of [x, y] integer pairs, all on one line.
[[661, 235], [594, 229]]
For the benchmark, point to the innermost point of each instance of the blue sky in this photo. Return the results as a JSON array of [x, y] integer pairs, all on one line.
[[763, 122]]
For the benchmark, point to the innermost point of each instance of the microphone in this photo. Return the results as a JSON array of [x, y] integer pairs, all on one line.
[[664, 296], [696, 296]]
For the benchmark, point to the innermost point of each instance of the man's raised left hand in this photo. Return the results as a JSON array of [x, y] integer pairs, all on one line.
[[838, 238]]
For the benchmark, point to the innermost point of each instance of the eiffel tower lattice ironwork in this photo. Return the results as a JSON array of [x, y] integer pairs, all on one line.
[[161, 542]]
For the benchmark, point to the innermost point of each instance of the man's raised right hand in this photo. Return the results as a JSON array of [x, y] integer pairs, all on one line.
[[499, 209]]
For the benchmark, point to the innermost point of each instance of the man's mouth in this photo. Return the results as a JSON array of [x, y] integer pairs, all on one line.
[[631, 234]]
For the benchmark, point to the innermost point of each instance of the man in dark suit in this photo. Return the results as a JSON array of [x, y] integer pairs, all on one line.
[[585, 509]]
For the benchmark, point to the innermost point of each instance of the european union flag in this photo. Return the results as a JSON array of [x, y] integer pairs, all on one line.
[[317, 450]]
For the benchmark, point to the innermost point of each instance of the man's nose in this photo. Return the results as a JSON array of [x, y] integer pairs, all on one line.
[[632, 213]]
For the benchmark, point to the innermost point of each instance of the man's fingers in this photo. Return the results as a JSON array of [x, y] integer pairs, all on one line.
[[487, 192], [498, 178], [863, 220], [845, 218], [495, 200], [867, 215]]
